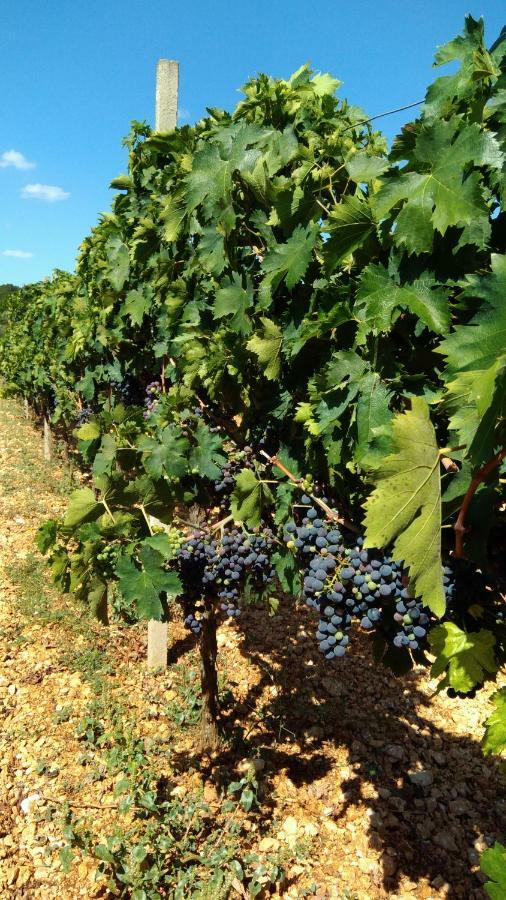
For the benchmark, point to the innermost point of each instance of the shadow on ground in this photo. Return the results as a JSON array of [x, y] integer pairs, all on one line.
[[349, 734]]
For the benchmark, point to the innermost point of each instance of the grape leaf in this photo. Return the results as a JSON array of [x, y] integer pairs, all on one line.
[[82, 507], [249, 498], [476, 364], [405, 506], [209, 179], [287, 572], [494, 739], [166, 455], [46, 535], [136, 305], [378, 297], [373, 421], [290, 260], [350, 223], [206, 458], [88, 432], [161, 543], [143, 586], [119, 263], [466, 655], [362, 167], [233, 300], [268, 348], [324, 84], [493, 864]]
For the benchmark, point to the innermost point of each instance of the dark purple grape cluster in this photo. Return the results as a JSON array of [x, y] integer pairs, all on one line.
[[153, 391], [193, 624], [127, 390], [83, 416], [414, 621], [223, 568], [346, 582], [225, 484]]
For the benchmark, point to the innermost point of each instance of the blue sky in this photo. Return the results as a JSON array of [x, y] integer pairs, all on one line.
[[74, 75]]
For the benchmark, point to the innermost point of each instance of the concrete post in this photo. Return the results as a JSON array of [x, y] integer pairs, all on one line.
[[167, 85], [47, 439]]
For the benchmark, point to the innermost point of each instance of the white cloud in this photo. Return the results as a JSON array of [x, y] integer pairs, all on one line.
[[48, 192], [15, 159], [17, 254], [183, 114]]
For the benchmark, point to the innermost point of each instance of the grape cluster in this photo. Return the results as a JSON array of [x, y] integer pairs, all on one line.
[[414, 621], [127, 390], [225, 484], [344, 581], [221, 569], [153, 390], [83, 416], [106, 559]]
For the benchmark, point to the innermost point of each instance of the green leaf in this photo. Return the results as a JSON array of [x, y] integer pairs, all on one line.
[[493, 864], [122, 183], [88, 432], [373, 421], [350, 224], [287, 572], [209, 181], [324, 85], [161, 543], [466, 655], [82, 507], [494, 739], [46, 536], [405, 507], [97, 599], [207, 457], [211, 251], [268, 348], [143, 586], [233, 300], [136, 305], [165, 455], [249, 498], [104, 459], [379, 296], [476, 364], [362, 168], [290, 261], [119, 263]]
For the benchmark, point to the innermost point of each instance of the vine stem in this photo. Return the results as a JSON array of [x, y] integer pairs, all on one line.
[[480, 476], [335, 517]]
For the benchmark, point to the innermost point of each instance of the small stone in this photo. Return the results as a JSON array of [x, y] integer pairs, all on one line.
[[473, 856], [422, 779], [438, 882], [334, 688], [268, 844], [394, 751], [439, 758], [446, 841], [27, 803], [290, 825]]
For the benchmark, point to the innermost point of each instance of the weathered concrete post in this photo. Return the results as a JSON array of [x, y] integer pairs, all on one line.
[[47, 439], [167, 85]]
